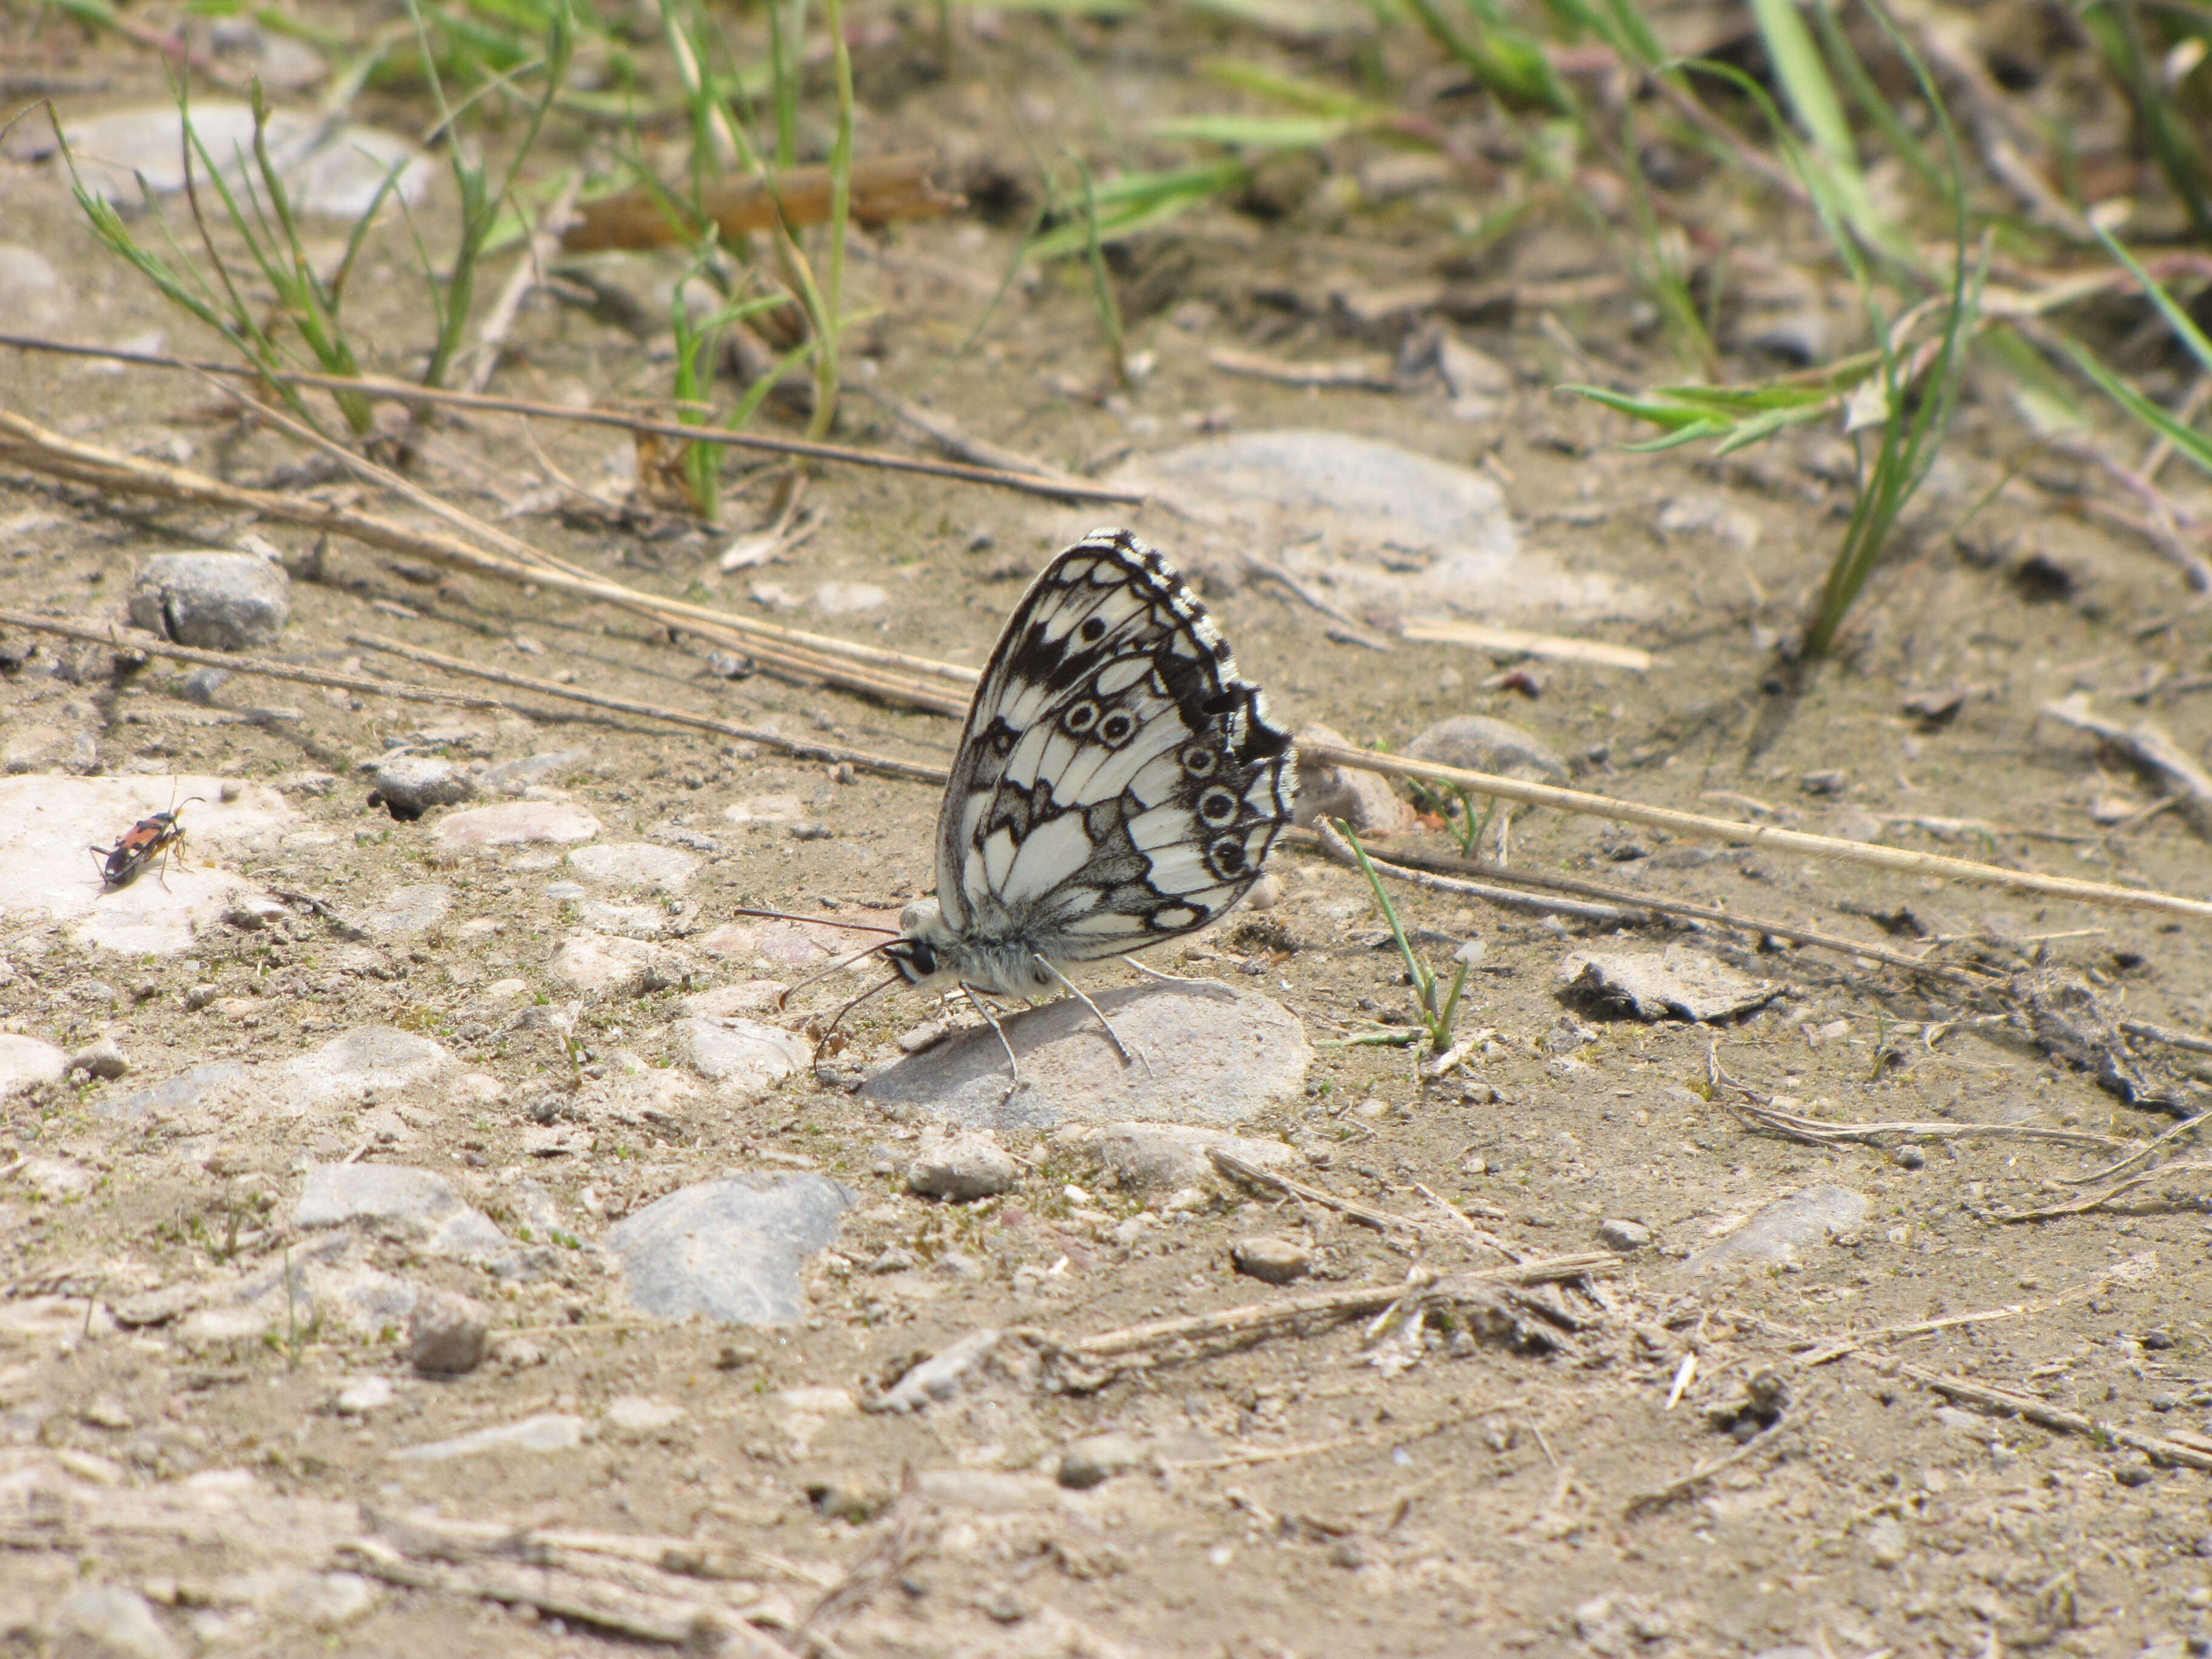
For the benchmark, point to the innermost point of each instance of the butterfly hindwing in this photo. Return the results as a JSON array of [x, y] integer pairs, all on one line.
[[1118, 781]]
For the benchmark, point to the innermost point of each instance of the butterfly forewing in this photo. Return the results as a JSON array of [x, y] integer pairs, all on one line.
[[1118, 781]]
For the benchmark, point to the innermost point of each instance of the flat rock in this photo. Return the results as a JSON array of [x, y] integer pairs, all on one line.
[[604, 965], [516, 824], [406, 910], [962, 1167], [514, 777], [940, 1376], [55, 1177], [1476, 742], [1148, 1158], [751, 996], [363, 1395], [1216, 1055], [1270, 1260], [633, 864], [1382, 524], [1097, 1458], [766, 809], [45, 747], [742, 1057], [32, 293], [414, 1205], [329, 167], [1362, 799], [26, 1062], [1784, 1227], [370, 1059], [107, 1621], [211, 600], [730, 1248], [408, 785], [548, 1431], [623, 921], [46, 822], [1678, 983]]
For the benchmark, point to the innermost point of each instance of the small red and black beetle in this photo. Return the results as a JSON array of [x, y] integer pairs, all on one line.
[[144, 842]]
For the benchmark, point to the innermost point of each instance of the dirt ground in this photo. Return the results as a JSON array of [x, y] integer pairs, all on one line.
[[1295, 1497]]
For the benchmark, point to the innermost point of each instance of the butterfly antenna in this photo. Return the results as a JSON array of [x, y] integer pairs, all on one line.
[[818, 921], [823, 973]]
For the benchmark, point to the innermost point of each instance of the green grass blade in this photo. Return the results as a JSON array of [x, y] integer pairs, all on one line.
[[1257, 132], [2186, 439]]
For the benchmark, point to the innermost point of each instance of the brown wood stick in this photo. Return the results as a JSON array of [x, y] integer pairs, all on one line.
[[883, 188], [405, 391], [1896, 859], [2051, 1417]]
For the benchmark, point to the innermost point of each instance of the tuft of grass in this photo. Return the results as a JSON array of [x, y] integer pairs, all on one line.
[[1434, 1008], [2186, 439]]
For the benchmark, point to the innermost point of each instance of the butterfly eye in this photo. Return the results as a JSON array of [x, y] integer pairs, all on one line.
[[1199, 761], [1227, 856], [1216, 807], [1115, 728], [1080, 718], [1093, 630]]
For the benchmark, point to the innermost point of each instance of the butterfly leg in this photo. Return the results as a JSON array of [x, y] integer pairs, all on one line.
[[1013, 1066], [1127, 1053], [1154, 973]]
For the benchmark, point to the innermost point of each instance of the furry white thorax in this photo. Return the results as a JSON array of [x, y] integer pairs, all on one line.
[[930, 956]]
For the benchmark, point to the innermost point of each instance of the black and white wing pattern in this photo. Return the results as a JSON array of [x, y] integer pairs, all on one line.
[[1118, 781]]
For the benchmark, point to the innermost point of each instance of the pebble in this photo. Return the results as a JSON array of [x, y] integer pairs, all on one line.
[[1266, 893], [212, 601], [1908, 1158], [26, 1062], [1626, 1236], [1679, 983], [406, 910], [938, 1377], [1097, 1458], [1478, 743], [962, 1167], [107, 1621], [751, 996], [635, 864], [1362, 799], [765, 809], [1146, 1158], [849, 599], [548, 1431], [516, 777], [408, 785], [603, 964], [729, 1248], [32, 294], [380, 1059], [1217, 1055], [623, 920], [54, 1177], [103, 1059], [1778, 1232], [329, 167], [1886, 1542], [415, 1205], [744, 1057], [1270, 1260], [515, 824], [446, 1334], [363, 1395]]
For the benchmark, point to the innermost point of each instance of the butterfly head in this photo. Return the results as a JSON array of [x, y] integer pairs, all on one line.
[[926, 951]]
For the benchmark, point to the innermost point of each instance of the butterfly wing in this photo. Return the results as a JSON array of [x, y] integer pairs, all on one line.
[[1118, 781]]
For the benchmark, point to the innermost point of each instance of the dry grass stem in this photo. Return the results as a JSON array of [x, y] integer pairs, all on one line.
[[1331, 842], [2152, 750], [2011, 1403], [2187, 1126], [1374, 375], [1558, 647], [1900, 860], [956, 441], [1682, 1486], [2089, 1201], [529, 272]]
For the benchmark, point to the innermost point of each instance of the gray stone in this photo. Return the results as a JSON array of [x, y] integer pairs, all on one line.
[[1272, 1260], [104, 1059], [1165, 1157], [1626, 1236], [633, 864], [179, 1094], [1679, 982], [515, 776], [515, 824], [1362, 799], [742, 1057], [363, 1395], [548, 1431], [32, 296], [1477, 743], [213, 601], [406, 909], [938, 1377], [44, 748], [962, 1167], [201, 685], [329, 167], [26, 1062], [1097, 1458], [415, 1205], [372, 1059], [446, 1334], [1212, 1055], [408, 785], [623, 921], [604, 964], [107, 1621], [1778, 1232], [730, 1248]]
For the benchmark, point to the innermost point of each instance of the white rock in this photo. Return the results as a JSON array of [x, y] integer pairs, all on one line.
[[52, 1178], [1148, 1158], [623, 920], [372, 1059], [107, 1621], [962, 1167], [415, 1205], [742, 1056], [26, 1061], [752, 996], [514, 823], [605, 966], [548, 1432], [765, 809], [635, 864], [639, 1415], [329, 167], [363, 1395], [407, 910]]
